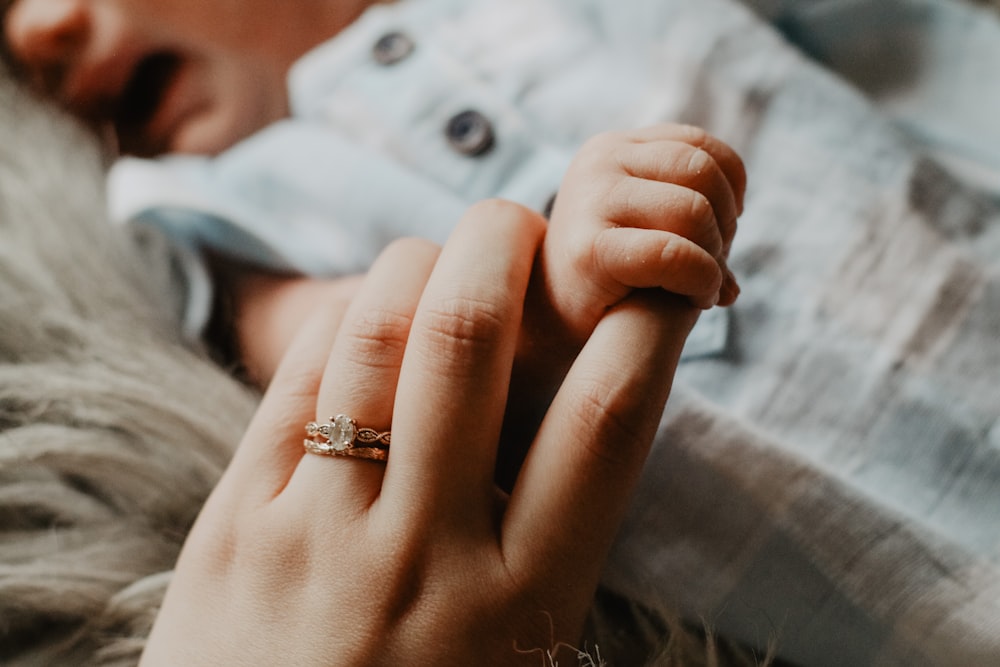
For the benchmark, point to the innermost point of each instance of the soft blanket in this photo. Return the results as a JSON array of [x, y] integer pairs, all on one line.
[[112, 432]]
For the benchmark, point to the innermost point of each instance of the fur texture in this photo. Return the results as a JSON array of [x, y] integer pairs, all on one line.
[[112, 433]]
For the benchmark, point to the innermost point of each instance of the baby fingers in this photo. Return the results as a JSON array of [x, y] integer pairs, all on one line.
[[636, 202], [722, 155], [652, 258], [688, 167]]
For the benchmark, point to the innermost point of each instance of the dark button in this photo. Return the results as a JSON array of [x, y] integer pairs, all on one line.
[[391, 48], [549, 205], [470, 133]]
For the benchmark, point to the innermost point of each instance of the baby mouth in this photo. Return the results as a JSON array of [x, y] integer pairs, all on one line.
[[139, 101]]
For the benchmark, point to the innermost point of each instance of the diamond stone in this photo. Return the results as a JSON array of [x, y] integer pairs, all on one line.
[[342, 432]]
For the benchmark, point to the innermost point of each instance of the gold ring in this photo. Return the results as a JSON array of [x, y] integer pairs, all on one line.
[[343, 437], [324, 449]]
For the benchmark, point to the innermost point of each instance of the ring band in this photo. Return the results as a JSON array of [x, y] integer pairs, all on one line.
[[324, 449], [344, 437]]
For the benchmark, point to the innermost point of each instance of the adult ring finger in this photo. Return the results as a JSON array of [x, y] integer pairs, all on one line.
[[360, 379]]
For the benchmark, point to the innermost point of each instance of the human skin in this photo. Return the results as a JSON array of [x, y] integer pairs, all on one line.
[[653, 207], [180, 76], [309, 560]]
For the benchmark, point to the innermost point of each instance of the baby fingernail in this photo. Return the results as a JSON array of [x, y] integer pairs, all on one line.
[[732, 287]]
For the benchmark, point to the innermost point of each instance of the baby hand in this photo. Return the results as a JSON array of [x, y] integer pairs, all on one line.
[[655, 207]]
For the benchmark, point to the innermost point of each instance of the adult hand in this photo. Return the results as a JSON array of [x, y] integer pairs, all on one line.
[[300, 559]]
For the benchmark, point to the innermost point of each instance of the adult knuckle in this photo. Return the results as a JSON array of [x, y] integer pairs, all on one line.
[[300, 384], [219, 550], [288, 543], [458, 323], [378, 333], [613, 437], [224, 551], [402, 559]]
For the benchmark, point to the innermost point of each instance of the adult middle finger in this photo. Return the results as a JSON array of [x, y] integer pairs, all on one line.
[[453, 384]]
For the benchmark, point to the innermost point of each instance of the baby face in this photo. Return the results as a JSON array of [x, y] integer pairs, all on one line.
[[189, 76]]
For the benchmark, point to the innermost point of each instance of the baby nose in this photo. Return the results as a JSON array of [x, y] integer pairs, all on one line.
[[43, 33]]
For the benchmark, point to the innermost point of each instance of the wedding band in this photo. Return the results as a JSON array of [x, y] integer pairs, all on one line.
[[325, 449], [344, 437]]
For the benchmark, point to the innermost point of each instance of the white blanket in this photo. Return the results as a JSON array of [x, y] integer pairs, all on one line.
[[832, 481]]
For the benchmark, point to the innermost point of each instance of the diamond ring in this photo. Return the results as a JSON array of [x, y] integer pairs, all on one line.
[[343, 437]]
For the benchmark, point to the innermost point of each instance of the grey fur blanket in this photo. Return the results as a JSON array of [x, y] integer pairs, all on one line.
[[111, 431]]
